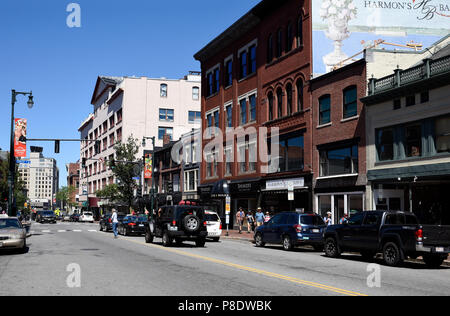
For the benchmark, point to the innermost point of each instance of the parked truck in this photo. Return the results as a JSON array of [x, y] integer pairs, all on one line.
[[397, 235]]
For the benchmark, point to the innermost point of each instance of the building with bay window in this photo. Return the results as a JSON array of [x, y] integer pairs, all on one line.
[[408, 140]]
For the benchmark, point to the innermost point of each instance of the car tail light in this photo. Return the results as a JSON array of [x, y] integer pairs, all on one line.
[[205, 224], [131, 224], [419, 235], [220, 227], [298, 228], [174, 223], [109, 220]]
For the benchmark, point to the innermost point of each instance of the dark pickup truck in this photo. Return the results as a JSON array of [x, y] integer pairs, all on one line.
[[397, 235]]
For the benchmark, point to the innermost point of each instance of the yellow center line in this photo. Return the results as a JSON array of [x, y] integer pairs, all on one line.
[[254, 270]]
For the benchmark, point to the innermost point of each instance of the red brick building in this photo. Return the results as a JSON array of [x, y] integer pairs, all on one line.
[[73, 180], [254, 77], [339, 142]]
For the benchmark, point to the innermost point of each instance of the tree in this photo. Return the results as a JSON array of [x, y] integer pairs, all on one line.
[[125, 167], [110, 193], [64, 194], [19, 188]]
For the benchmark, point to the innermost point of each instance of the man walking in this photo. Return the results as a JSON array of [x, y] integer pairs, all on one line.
[[114, 221], [240, 215], [259, 216]]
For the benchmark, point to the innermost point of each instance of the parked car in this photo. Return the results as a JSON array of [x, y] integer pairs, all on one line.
[[12, 234], [105, 222], [178, 223], [292, 229], [397, 235], [213, 225], [66, 218], [132, 225], [86, 217], [45, 216], [75, 217]]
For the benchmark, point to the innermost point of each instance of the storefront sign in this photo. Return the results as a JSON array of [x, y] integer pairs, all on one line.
[[285, 184]]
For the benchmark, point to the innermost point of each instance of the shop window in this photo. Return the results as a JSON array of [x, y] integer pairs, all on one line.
[[324, 205], [339, 161], [413, 141], [385, 144], [442, 131]]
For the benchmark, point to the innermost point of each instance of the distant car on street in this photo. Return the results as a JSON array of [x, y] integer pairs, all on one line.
[[45, 217], [66, 218], [12, 234], [74, 217], [292, 229], [132, 225], [105, 222], [213, 225], [397, 235], [86, 217]]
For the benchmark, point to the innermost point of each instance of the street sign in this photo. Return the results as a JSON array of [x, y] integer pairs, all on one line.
[[23, 161], [137, 178]]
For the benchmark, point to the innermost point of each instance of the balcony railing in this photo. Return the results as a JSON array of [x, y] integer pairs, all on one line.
[[429, 68]]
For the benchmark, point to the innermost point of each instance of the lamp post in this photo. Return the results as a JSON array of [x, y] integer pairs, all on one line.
[[152, 190], [12, 160]]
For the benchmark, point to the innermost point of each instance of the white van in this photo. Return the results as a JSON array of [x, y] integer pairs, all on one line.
[[87, 217], [213, 225]]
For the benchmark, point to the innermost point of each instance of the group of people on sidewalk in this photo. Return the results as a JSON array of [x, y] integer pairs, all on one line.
[[253, 221]]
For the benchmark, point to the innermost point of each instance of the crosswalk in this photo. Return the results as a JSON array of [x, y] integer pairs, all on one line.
[[50, 231]]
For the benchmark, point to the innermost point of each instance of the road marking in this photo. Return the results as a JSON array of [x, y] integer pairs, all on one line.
[[249, 269], [92, 230], [77, 231], [61, 231], [46, 231]]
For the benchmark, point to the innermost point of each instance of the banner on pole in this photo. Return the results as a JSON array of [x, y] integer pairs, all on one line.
[[148, 166], [20, 133]]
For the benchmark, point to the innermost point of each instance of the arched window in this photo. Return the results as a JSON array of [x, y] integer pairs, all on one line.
[[300, 31], [163, 90], [289, 99], [270, 99], [195, 93], [300, 95], [279, 50], [270, 48], [289, 37], [280, 102]]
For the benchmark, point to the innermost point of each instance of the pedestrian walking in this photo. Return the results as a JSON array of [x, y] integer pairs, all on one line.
[[259, 217], [114, 221], [240, 216], [250, 222], [267, 217], [328, 220]]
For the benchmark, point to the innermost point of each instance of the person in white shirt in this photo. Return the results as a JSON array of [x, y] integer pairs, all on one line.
[[114, 221]]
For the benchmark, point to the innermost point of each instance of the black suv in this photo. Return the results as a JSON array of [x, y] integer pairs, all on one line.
[[177, 223], [45, 217]]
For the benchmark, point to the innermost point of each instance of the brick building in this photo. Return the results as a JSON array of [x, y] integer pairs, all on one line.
[[73, 180], [339, 140], [254, 77]]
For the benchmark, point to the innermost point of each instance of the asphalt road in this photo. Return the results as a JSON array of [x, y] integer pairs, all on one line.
[[128, 266]]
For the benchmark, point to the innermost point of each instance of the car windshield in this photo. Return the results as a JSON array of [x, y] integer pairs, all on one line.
[[311, 220], [212, 218], [142, 218], [87, 214], [9, 223], [48, 213]]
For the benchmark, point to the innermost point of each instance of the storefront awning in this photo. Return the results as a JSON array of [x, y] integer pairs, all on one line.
[[431, 170]]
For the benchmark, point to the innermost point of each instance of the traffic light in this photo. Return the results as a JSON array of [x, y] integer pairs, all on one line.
[[57, 145]]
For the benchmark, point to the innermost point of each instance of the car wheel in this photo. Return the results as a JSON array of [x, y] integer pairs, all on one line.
[[392, 254], [331, 248], [191, 223], [259, 240], [433, 262], [287, 243], [200, 242], [166, 239], [148, 237]]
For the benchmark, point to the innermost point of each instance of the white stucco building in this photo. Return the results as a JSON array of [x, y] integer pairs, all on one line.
[[141, 107]]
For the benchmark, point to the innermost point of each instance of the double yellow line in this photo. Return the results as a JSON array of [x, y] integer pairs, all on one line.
[[258, 271]]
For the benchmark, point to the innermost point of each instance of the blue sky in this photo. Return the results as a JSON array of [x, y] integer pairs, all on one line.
[[60, 65]]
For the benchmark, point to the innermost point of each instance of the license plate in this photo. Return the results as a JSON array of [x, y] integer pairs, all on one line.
[[141, 225], [316, 231], [439, 249]]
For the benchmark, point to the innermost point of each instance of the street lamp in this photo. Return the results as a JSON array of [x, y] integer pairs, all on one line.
[[12, 160]]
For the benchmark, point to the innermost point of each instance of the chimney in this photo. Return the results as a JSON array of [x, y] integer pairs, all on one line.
[[166, 139]]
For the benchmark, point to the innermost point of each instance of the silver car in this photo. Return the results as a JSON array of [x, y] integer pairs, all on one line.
[[12, 234]]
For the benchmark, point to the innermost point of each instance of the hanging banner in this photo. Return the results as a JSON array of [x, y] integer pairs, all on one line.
[[20, 132], [148, 166]]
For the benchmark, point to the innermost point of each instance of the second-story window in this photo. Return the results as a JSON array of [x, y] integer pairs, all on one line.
[[350, 102], [442, 132], [252, 101], [243, 111], [325, 110], [195, 93], [163, 90], [243, 65], [229, 73]]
